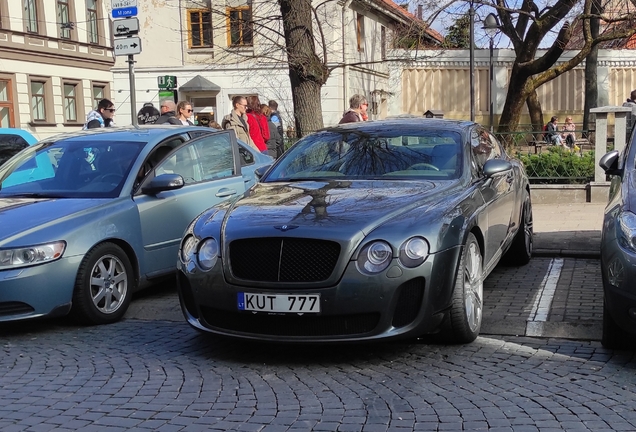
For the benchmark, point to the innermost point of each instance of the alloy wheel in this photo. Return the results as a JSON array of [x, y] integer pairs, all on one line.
[[473, 287], [109, 284]]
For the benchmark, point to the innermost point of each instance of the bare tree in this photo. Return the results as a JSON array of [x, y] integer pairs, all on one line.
[[308, 72], [527, 27], [299, 35]]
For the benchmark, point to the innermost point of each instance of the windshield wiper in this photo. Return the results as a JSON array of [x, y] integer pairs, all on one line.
[[33, 195]]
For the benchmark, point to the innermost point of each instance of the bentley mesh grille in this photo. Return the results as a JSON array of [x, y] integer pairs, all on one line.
[[276, 259], [291, 325], [409, 302]]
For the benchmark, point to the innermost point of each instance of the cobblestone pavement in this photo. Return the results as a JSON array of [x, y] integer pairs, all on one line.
[[152, 371]]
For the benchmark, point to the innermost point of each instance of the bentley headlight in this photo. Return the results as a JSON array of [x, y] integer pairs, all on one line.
[[188, 246], [32, 255], [375, 257], [626, 230], [414, 252], [208, 253]]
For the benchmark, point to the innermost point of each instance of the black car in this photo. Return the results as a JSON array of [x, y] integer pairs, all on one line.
[[618, 249], [361, 232]]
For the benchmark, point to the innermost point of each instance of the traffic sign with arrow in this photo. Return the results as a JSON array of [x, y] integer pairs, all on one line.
[[128, 46]]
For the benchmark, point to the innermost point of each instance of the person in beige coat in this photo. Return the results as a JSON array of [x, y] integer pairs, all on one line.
[[237, 120]]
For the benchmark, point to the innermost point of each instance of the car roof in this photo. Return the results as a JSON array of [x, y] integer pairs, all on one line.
[[143, 133], [402, 123], [26, 135]]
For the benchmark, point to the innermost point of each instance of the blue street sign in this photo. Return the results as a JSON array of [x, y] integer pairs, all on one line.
[[124, 12]]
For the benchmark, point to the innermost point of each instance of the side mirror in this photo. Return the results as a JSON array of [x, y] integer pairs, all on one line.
[[260, 172], [609, 163], [163, 182], [494, 167]]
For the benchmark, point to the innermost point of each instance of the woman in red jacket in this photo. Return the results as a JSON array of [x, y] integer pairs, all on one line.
[[259, 131]]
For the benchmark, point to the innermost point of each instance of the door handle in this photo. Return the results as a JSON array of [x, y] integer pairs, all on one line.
[[225, 193]]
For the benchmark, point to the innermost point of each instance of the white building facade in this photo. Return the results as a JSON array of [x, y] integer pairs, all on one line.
[[55, 61], [221, 48]]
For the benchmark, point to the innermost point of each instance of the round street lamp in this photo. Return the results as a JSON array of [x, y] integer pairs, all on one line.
[[491, 27]]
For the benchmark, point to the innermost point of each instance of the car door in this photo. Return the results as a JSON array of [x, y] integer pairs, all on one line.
[[211, 171], [498, 192]]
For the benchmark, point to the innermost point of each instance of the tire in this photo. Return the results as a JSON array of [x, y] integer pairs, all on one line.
[[520, 250], [613, 336], [467, 303], [103, 287]]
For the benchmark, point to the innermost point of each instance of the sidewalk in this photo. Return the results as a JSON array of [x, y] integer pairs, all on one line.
[[572, 230]]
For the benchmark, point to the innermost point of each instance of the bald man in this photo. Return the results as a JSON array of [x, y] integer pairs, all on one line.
[[168, 115]]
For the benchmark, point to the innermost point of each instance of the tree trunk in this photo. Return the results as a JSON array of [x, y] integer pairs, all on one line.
[[536, 113], [514, 103], [307, 105], [307, 72], [591, 71]]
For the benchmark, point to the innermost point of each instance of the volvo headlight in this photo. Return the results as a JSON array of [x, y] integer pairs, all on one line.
[[626, 230], [414, 252], [32, 255], [208, 253], [375, 257], [188, 246]]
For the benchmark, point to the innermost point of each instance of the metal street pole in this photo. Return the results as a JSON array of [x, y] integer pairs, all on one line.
[[492, 92], [471, 39], [133, 95], [491, 27]]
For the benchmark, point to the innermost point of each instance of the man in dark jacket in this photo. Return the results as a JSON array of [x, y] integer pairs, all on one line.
[[357, 109], [275, 116], [631, 116], [168, 115]]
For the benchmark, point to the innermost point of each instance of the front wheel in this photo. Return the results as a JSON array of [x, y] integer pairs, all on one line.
[[520, 251], [467, 304], [104, 285]]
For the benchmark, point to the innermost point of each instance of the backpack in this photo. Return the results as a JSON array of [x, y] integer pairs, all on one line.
[[545, 135]]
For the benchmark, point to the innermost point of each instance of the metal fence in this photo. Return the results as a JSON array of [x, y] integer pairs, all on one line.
[[552, 164]]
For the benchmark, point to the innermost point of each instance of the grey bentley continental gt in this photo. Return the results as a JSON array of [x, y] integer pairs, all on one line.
[[361, 232]]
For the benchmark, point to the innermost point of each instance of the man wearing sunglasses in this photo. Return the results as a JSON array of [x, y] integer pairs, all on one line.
[[168, 113], [102, 116], [357, 110]]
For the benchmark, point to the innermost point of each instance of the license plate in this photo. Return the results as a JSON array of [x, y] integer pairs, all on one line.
[[281, 303]]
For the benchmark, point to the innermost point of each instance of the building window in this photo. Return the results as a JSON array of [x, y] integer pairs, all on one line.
[[70, 102], [31, 15], [98, 94], [64, 19], [38, 100], [241, 26], [92, 21], [200, 28], [100, 91], [360, 31], [6, 104]]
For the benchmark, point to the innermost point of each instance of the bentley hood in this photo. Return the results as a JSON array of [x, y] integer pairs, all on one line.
[[340, 206]]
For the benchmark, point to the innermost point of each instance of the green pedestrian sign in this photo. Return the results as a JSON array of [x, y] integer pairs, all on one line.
[[167, 82]]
